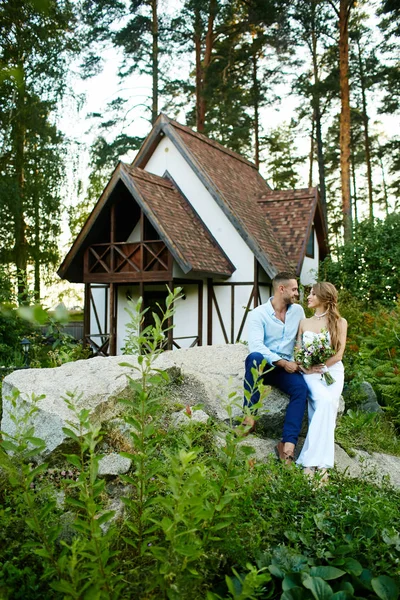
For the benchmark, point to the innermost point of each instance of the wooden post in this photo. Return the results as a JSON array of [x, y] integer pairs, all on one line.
[[170, 322], [200, 314], [256, 293], [209, 310], [112, 238], [233, 314], [86, 315], [113, 337]]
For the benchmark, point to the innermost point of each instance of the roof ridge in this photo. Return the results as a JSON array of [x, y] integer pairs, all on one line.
[[140, 173], [264, 200], [211, 142]]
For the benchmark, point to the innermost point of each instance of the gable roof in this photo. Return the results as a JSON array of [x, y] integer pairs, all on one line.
[[291, 214], [185, 235], [182, 230], [233, 182]]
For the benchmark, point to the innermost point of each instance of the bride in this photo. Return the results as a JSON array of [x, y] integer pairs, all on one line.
[[323, 402]]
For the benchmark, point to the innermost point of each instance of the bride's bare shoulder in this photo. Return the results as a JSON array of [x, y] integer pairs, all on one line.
[[304, 323]]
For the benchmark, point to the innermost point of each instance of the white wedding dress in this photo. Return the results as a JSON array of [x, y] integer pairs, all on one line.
[[323, 404]]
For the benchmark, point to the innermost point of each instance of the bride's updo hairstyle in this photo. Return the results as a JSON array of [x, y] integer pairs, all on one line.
[[327, 294]]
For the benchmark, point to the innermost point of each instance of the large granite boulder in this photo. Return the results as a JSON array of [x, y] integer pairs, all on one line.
[[209, 375]]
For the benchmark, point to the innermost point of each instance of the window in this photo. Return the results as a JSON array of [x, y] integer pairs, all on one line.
[[310, 244]]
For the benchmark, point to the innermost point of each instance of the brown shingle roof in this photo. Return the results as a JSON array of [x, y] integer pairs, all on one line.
[[291, 213], [238, 184], [178, 224]]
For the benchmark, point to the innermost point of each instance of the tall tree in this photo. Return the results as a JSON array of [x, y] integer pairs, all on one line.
[[283, 157], [343, 10], [364, 68], [313, 24], [36, 37]]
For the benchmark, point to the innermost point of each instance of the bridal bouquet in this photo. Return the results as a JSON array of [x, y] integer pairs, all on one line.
[[316, 352]]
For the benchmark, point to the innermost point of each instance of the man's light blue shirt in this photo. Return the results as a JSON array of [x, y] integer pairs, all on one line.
[[269, 336]]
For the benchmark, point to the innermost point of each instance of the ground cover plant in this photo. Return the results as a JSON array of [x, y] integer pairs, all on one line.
[[202, 518]]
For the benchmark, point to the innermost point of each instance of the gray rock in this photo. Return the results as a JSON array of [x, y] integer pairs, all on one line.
[[209, 375], [181, 418], [114, 464], [369, 403]]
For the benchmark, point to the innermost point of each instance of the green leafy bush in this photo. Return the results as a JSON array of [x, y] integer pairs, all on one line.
[[368, 265], [202, 519]]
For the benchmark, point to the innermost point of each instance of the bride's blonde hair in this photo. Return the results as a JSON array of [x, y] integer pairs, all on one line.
[[327, 294]]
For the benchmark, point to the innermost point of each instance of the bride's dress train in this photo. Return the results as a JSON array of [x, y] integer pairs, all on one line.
[[323, 404]]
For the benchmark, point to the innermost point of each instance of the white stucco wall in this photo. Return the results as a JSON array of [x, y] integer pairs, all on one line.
[[100, 301], [309, 270], [167, 158], [122, 316]]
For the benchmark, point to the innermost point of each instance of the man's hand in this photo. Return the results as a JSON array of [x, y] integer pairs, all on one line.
[[289, 365]]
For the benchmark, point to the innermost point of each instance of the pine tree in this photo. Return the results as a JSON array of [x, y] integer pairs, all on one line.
[[33, 49]]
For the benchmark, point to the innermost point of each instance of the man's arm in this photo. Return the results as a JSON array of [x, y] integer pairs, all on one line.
[[255, 332]]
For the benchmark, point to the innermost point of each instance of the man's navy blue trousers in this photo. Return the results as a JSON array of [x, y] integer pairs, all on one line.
[[292, 384]]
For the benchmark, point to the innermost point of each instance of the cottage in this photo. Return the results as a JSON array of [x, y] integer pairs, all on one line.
[[188, 212]]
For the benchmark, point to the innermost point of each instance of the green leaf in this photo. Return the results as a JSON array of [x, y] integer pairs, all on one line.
[[352, 566], [292, 580], [35, 441], [276, 571], [385, 587], [318, 587], [74, 460], [326, 573], [295, 593], [68, 432], [105, 517]]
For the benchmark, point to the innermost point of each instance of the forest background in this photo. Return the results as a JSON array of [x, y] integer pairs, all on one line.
[[223, 68]]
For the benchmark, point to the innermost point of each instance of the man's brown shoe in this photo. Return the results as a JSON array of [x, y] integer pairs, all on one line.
[[285, 452]]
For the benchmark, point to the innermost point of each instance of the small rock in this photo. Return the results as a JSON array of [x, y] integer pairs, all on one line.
[[181, 418], [114, 464], [369, 403]]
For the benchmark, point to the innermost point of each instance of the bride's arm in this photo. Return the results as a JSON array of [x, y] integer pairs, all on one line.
[[342, 339], [299, 334]]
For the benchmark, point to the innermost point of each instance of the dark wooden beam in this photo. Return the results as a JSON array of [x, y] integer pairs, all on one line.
[[232, 314], [209, 310], [86, 314], [245, 315], [200, 313], [256, 294], [170, 321], [113, 337], [220, 317]]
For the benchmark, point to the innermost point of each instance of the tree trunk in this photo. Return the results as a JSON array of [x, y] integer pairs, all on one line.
[[385, 194], [154, 65], [312, 150], [199, 71], [367, 143], [203, 64], [354, 195], [344, 11], [256, 112], [19, 251], [318, 127]]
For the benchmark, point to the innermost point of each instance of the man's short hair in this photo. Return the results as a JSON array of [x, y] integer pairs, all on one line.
[[282, 278]]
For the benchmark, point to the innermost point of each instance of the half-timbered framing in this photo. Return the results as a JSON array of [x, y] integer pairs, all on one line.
[[190, 213]]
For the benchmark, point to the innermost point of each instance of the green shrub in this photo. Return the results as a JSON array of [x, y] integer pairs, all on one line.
[[368, 266], [202, 518]]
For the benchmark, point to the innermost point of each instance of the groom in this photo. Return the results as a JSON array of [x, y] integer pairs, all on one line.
[[272, 330]]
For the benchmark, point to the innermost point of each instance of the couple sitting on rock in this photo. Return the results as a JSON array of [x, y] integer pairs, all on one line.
[[273, 330]]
